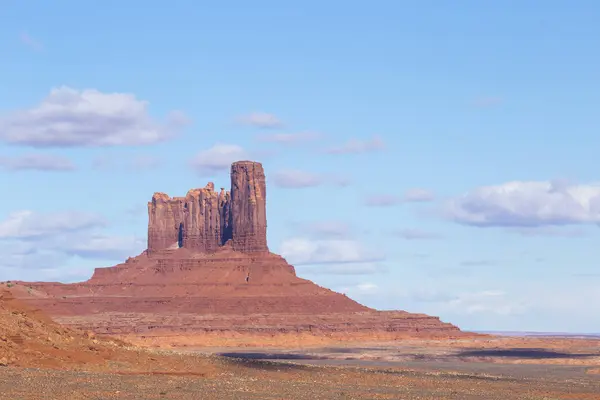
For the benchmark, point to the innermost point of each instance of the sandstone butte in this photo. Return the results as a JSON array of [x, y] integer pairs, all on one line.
[[208, 278]]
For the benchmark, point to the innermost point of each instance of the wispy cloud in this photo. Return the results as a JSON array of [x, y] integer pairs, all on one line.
[[288, 138], [477, 263], [37, 162], [523, 205], [417, 234], [218, 158], [30, 42], [356, 146], [260, 120], [140, 162], [342, 255], [487, 101], [548, 231], [87, 118], [292, 178], [326, 229], [415, 195]]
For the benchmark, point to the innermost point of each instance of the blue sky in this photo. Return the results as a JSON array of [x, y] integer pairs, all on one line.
[[427, 156]]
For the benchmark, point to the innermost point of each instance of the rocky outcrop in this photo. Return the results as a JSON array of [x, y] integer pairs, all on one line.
[[177, 297], [204, 220], [248, 207], [208, 273]]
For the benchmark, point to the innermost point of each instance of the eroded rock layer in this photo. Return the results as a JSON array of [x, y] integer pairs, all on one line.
[[205, 220], [248, 207], [179, 297], [208, 277]]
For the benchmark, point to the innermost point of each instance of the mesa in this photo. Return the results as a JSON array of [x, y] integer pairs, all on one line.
[[207, 278]]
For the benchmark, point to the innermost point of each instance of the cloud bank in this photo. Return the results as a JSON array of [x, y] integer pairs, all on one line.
[[69, 117], [333, 256], [46, 241], [36, 162], [527, 204]]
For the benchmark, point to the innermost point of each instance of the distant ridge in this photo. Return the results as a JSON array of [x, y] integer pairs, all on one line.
[[542, 334]]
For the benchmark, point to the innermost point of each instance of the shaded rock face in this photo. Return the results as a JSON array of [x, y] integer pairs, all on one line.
[[248, 207], [178, 297], [205, 220], [208, 277]]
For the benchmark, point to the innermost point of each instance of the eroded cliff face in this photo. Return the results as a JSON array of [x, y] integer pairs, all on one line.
[[205, 220], [208, 279], [248, 207]]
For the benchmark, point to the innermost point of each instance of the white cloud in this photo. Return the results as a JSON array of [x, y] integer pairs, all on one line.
[[48, 242], [296, 179], [89, 118], [37, 161], [477, 263], [487, 302], [138, 162], [332, 228], [416, 195], [302, 179], [355, 146], [417, 234], [527, 204], [261, 120], [354, 268], [105, 247], [487, 101], [27, 255], [383, 200], [30, 42], [478, 302], [303, 251], [547, 231], [39, 259], [288, 138], [143, 162], [218, 158], [27, 224], [361, 289]]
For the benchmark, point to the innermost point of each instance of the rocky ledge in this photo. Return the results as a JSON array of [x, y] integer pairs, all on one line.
[[208, 277]]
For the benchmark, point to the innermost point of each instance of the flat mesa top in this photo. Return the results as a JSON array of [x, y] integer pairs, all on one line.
[[246, 162]]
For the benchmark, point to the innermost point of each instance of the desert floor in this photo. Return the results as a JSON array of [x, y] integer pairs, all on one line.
[[483, 368]]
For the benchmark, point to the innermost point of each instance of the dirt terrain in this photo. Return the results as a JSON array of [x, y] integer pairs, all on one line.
[[43, 360], [502, 350], [264, 380], [28, 338]]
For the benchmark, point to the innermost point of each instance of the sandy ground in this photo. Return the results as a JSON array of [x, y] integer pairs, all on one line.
[[264, 380], [491, 368], [502, 350], [40, 359]]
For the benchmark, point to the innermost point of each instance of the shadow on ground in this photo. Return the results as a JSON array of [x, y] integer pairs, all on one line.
[[523, 353], [267, 361], [352, 350], [270, 356]]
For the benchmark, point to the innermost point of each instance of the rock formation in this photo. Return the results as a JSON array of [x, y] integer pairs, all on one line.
[[208, 277], [248, 207], [204, 220]]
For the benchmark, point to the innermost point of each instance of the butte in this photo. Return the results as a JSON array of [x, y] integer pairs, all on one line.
[[208, 278]]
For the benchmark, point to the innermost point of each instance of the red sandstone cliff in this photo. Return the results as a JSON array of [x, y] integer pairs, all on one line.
[[204, 220], [248, 207], [208, 271]]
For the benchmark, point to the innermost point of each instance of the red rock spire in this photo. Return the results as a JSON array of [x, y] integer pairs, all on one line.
[[248, 207], [204, 220]]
